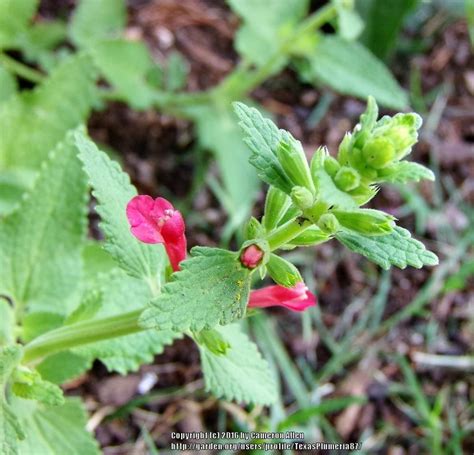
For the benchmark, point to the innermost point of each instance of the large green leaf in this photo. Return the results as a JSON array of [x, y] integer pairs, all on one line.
[[8, 84], [94, 20], [240, 373], [265, 25], [41, 241], [35, 121], [120, 294], [212, 288], [112, 188], [383, 20], [349, 68], [54, 429], [397, 248]]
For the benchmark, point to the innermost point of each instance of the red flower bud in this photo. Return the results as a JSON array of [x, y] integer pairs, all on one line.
[[156, 221], [297, 298], [251, 256]]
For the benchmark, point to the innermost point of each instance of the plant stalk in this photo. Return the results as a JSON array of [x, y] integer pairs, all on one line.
[[21, 70], [81, 333]]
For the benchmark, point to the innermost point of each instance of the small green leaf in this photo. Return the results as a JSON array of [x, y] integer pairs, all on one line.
[[94, 20], [125, 64], [29, 384], [350, 25], [405, 171], [263, 137], [241, 374], [40, 242], [212, 288], [398, 248], [54, 429], [177, 69], [265, 25], [365, 221], [112, 188], [349, 68]]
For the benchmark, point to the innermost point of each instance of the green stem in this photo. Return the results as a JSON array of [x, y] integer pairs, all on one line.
[[287, 232], [85, 332], [20, 69]]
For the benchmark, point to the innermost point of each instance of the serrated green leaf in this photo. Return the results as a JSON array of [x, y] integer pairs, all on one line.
[[112, 188], [263, 137], [219, 132], [14, 18], [29, 385], [383, 21], [122, 293], [349, 68], [241, 374], [94, 20], [397, 248], [54, 429], [212, 288], [35, 121], [63, 366], [125, 64], [40, 242], [8, 84], [405, 171], [265, 25]]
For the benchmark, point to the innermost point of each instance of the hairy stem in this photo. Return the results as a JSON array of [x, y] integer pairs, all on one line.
[[85, 332], [287, 232]]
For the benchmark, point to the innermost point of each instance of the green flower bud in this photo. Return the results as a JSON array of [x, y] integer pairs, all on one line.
[[302, 197], [328, 223], [213, 341], [276, 205], [331, 165], [253, 229], [293, 160], [282, 271], [344, 149], [378, 152], [347, 179], [365, 221]]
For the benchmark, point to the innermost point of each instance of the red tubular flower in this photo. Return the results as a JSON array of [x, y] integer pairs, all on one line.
[[297, 298], [156, 221]]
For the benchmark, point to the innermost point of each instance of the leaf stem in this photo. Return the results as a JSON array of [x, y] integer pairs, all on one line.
[[287, 232], [20, 69], [84, 332]]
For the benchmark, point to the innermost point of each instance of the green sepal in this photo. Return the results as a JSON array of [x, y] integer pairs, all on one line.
[[378, 152], [405, 171], [282, 271], [366, 221], [331, 165], [347, 179], [302, 197], [364, 193], [253, 229], [293, 160], [213, 341], [328, 223], [276, 205], [311, 236]]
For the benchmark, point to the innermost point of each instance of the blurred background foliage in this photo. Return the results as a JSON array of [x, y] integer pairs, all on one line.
[[386, 358]]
